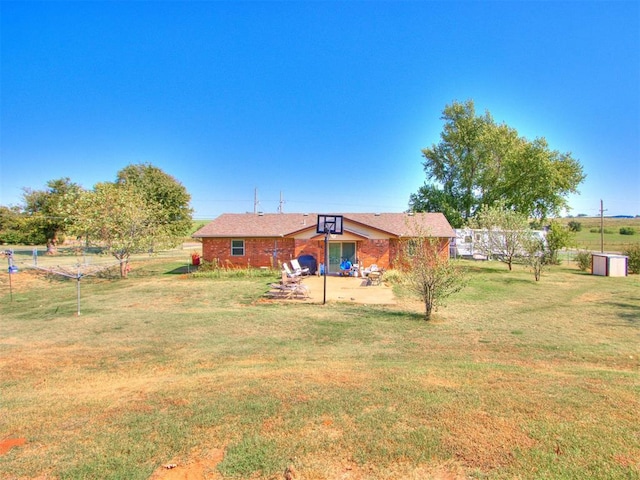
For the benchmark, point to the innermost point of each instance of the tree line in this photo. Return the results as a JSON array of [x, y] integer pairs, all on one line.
[[144, 209]]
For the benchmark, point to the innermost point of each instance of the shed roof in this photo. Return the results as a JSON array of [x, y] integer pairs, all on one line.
[[286, 224]]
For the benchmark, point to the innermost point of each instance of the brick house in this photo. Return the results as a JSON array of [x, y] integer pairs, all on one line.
[[267, 240]]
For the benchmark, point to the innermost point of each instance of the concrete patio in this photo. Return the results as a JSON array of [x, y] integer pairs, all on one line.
[[349, 289]]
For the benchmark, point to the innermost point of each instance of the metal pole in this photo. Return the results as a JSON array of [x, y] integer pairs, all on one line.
[[601, 227], [326, 263], [78, 276], [9, 254]]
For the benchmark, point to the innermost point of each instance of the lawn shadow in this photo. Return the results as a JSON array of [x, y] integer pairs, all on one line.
[[514, 280], [405, 315], [629, 312], [181, 270], [577, 272], [390, 313]]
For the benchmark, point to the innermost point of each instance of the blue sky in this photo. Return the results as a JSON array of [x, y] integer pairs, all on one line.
[[328, 103]]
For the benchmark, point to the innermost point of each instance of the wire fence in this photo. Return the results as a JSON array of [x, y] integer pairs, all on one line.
[[70, 256]]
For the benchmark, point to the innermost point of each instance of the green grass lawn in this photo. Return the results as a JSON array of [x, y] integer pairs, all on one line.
[[512, 379], [589, 238]]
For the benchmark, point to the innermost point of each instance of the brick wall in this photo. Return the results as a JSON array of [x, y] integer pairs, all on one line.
[[309, 247], [374, 251], [385, 253], [397, 246], [259, 252]]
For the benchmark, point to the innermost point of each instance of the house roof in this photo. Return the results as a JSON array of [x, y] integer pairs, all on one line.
[[286, 224]]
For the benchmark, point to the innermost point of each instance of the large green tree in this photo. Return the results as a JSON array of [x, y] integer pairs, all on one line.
[[50, 211], [478, 162], [116, 218], [166, 196], [143, 210], [17, 228]]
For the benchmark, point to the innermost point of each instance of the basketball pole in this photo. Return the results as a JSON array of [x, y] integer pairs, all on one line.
[[326, 264], [329, 225]]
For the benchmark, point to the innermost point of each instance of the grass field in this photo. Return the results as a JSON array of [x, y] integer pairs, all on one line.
[[614, 242], [513, 379]]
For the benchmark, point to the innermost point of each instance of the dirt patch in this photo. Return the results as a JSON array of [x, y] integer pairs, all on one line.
[[590, 297], [201, 465], [9, 443], [481, 440], [22, 281]]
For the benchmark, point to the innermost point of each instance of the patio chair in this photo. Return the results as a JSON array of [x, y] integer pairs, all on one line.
[[375, 277], [371, 268], [298, 269], [289, 272], [373, 274], [288, 290], [288, 280]]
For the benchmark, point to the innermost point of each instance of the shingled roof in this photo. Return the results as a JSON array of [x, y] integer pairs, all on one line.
[[284, 224]]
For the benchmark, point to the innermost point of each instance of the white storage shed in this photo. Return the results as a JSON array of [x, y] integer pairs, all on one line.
[[609, 265]]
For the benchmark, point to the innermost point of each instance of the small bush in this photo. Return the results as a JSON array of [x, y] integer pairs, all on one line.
[[574, 226], [393, 276], [597, 230], [633, 252], [209, 267], [627, 231], [583, 259]]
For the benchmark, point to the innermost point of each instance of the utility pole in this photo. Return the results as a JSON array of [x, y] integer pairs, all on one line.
[[602, 210], [255, 201], [280, 206]]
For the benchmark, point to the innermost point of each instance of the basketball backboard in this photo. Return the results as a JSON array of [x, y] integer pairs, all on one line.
[[329, 224]]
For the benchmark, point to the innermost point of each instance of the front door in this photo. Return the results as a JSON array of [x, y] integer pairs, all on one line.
[[339, 251]]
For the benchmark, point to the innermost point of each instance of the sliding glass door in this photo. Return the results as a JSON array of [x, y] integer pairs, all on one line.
[[339, 251]]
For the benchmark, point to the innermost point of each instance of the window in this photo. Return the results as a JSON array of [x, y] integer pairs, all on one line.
[[237, 248], [413, 247]]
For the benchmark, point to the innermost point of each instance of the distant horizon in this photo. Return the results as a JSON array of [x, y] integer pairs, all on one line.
[[336, 212]]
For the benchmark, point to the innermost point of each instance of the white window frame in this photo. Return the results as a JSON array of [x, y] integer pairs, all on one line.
[[234, 248]]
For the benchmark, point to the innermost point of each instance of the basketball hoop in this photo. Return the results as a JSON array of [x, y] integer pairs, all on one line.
[[329, 224]]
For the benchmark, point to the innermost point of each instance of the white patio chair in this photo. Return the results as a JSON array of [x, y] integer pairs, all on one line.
[[288, 272], [298, 269], [289, 280]]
